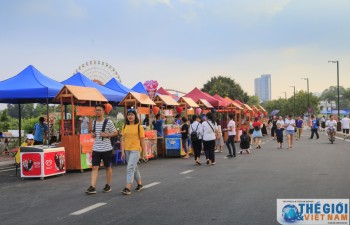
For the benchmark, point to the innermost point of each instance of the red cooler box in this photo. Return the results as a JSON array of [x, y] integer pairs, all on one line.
[[42, 161]]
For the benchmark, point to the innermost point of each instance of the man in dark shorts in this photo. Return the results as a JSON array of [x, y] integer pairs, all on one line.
[[102, 149]]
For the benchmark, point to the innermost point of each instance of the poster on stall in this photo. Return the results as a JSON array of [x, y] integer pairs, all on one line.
[[86, 160], [168, 112], [31, 164], [54, 162], [86, 143]]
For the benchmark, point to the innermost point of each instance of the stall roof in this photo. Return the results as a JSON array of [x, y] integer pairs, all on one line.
[[81, 93], [162, 91], [263, 109], [247, 107], [165, 99], [138, 97], [79, 79], [188, 101], [235, 105], [227, 99], [239, 102], [115, 85], [221, 99], [29, 86], [205, 103], [139, 88], [197, 94]]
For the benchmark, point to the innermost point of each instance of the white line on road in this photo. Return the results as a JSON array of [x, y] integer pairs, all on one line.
[[7, 170], [77, 213], [187, 171], [151, 184]]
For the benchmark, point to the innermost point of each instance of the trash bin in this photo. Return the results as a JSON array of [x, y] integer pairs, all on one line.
[[338, 126]]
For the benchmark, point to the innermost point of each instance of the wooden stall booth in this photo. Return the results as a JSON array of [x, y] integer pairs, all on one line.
[[78, 146], [141, 103], [188, 104], [204, 105], [167, 106]]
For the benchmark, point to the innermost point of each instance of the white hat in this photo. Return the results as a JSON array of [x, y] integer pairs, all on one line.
[[30, 136]]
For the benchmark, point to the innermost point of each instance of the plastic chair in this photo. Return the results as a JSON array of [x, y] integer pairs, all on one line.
[[118, 157]]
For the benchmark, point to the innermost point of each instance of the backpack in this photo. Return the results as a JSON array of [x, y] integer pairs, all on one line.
[[317, 122], [245, 139], [112, 139], [194, 135]]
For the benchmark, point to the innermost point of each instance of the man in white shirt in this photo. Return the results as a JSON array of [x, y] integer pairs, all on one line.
[[196, 128], [345, 122], [331, 123], [231, 131]]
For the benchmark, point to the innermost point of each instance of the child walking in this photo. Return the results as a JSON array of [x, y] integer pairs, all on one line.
[[279, 135], [245, 142]]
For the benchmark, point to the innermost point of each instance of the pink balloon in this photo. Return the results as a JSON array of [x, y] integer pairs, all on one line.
[[198, 111]]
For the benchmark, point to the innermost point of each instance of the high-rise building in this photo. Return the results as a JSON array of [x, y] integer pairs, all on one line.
[[262, 87]]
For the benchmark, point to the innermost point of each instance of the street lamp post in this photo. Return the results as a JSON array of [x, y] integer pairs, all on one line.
[[308, 96], [338, 102], [285, 94], [293, 100]]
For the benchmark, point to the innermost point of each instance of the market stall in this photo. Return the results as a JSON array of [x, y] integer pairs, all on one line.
[[141, 103], [78, 146], [166, 106]]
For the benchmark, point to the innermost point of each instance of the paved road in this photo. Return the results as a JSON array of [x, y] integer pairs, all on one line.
[[240, 191]]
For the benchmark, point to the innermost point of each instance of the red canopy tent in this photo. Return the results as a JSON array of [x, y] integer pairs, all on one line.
[[221, 99], [162, 91], [197, 94]]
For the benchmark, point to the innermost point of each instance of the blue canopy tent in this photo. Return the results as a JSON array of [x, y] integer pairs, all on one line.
[[114, 84], [29, 86], [140, 88], [79, 79]]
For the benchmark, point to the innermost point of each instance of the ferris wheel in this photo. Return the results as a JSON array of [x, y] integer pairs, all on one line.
[[98, 71]]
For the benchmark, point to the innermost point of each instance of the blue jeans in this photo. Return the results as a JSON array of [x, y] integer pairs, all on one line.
[[132, 170]]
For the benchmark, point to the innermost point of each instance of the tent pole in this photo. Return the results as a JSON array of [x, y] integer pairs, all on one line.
[[48, 120], [19, 125]]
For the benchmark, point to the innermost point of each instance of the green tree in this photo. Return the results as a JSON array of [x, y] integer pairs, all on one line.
[[4, 121], [253, 100], [331, 94], [225, 87], [286, 106]]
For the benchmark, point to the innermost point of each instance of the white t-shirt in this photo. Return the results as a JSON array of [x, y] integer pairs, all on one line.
[[209, 130], [290, 123], [280, 122], [232, 126], [331, 123], [345, 122]]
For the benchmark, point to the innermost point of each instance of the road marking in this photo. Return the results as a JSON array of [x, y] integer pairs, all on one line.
[[7, 170], [87, 209], [187, 171], [151, 184]]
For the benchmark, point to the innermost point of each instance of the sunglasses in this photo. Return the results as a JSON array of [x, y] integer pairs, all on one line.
[[131, 110]]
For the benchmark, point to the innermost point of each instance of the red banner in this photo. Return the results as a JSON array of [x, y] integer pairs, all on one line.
[[31, 164]]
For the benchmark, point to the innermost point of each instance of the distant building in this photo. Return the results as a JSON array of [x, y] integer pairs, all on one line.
[[262, 87]]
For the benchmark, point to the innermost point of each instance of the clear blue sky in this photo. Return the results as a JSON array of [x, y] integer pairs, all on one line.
[[181, 43]]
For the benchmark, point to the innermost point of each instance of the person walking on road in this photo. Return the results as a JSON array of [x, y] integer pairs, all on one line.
[[209, 135], [219, 142], [132, 143], [196, 127], [299, 123], [314, 128], [102, 149], [279, 136], [184, 136], [257, 135], [274, 127], [345, 122], [231, 131], [289, 123]]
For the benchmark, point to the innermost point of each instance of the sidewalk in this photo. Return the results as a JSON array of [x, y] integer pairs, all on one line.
[[6, 160]]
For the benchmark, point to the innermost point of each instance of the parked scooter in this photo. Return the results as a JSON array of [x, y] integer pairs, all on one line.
[[331, 134]]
